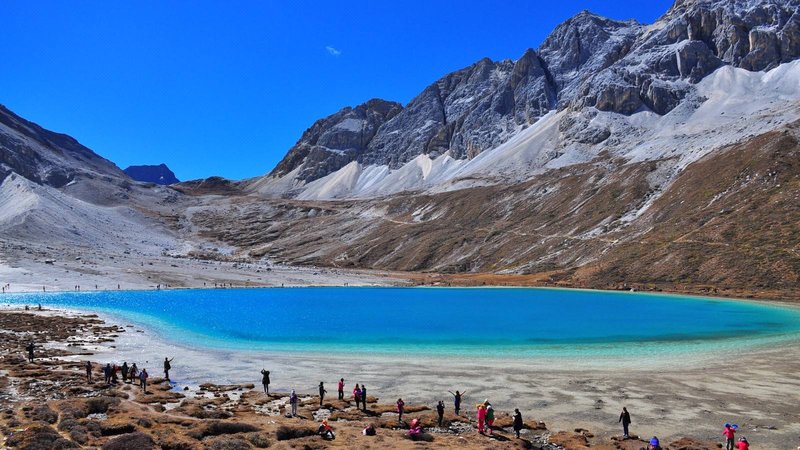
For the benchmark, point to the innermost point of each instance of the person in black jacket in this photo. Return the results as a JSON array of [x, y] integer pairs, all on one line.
[[625, 418], [440, 412], [265, 380], [518, 424], [322, 392]]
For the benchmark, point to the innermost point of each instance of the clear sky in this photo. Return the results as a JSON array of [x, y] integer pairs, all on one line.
[[226, 87]]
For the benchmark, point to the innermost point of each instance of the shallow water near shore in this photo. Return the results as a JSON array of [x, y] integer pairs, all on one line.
[[471, 322]]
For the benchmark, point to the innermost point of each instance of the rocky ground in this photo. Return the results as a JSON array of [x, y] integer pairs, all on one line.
[[48, 404]]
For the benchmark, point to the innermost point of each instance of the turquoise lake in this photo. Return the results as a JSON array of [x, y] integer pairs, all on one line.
[[502, 322]]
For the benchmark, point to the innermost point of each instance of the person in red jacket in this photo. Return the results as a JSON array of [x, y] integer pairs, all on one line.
[[730, 436], [743, 444]]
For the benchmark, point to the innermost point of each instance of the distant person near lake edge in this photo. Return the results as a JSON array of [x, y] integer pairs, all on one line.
[[322, 392], [340, 388], [517, 423], [167, 367], [457, 400], [357, 395], [265, 380], [363, 397], [625, 419]]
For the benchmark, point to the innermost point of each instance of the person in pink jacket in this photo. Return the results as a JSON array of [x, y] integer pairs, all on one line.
[[481, 413]]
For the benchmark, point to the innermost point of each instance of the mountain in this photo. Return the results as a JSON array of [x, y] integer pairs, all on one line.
[[614, 154], [159, 174], [47, 157], [563, 92]]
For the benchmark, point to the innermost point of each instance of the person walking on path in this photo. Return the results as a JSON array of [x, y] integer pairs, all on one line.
[[357, 395], [88, 371], [341, 389], [517, 424], [125, 369], [293, 402], [730, 436], [457, 400], [167, 366], [489, 416], [363, 397], [625, 419], [400, 408], [481, 414], [265, 380], [322, 392], [440, 412], [31, 346], [143, 376]]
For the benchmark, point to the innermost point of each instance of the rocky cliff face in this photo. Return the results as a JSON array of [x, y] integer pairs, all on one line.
[[694, 38], [336, 140], [588, 64], [160, 174], [46, 157]]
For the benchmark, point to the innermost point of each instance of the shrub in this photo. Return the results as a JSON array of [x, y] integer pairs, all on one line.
[[227, 443], [130, 441], [285, 433]]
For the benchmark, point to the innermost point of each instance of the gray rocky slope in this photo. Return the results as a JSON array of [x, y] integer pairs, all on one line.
[[588, 63]]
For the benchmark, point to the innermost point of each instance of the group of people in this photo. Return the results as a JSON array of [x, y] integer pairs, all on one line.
[[729, 432], [130, 374], [484, 411]]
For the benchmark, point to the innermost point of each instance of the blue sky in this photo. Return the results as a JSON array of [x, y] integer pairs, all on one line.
[[225, 88]]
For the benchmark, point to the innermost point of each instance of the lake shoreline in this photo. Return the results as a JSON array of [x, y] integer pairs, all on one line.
[[671, 403]]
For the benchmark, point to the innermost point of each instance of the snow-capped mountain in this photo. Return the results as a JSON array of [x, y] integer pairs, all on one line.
[[594, 86]]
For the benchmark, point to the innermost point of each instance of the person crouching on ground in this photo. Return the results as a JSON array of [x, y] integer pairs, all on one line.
[[326, 431]]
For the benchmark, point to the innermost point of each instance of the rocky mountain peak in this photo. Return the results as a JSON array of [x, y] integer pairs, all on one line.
[[158, 174], [46, 157], [333, 142], [588, 63]]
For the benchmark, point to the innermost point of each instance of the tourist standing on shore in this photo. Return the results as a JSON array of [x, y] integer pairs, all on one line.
[[293, 402], [31, 346], [107, 373], [322, 392], [457, 400], [625, 419], [167, 366], [730, 436], [265, 380], [363, 397], [489, 416], [341, 389], [440, 412], [124, 371], [481, 414], [517, 424], [401, 405], [143, 376], [357, 395], [133, 373], [88, 371], [114, 370]]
